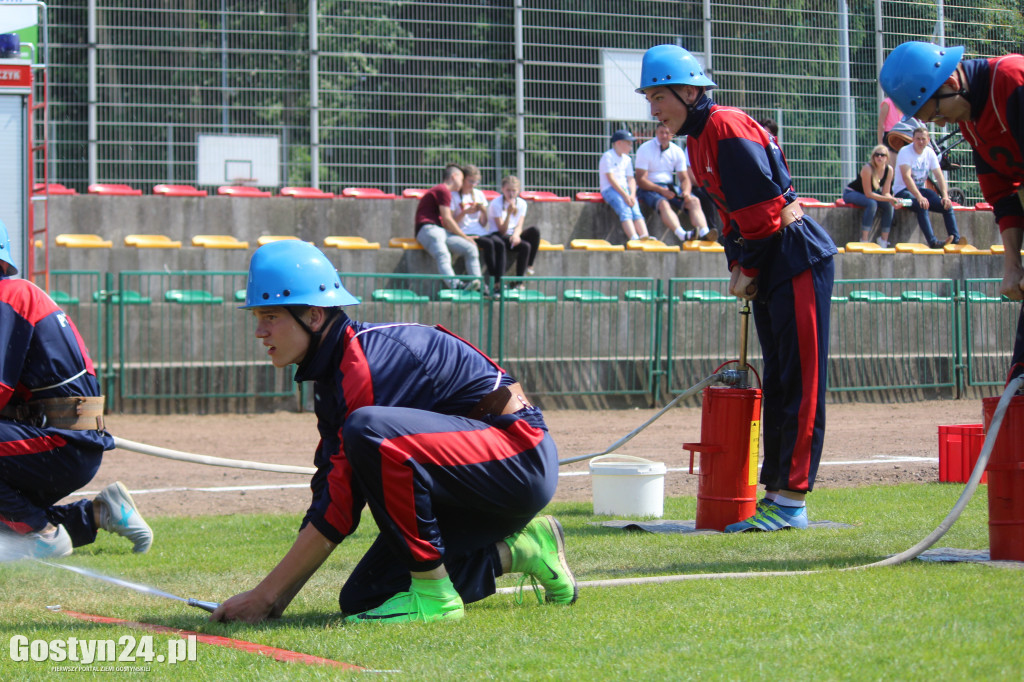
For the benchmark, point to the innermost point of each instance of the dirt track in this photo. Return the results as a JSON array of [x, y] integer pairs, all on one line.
[[874, 432]]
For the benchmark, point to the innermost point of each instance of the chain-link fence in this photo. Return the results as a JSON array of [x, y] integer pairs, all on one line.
[[384, 93]]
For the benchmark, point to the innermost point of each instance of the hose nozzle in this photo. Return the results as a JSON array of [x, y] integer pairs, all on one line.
[[210, 606]]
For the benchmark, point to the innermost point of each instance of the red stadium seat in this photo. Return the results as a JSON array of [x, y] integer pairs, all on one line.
[[305, 193], [114, 190], [179, 191], [411, 193], [366, 193], [593, 197], [983, 206], [241, 191], [52, 188], [542, 196], [490, 194]]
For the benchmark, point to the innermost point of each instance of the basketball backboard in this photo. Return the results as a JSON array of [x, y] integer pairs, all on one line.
[[252, 160]]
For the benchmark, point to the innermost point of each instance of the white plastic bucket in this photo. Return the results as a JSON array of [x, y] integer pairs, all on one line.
[[627, 486]]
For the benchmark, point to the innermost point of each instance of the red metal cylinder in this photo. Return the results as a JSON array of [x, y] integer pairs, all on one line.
[[730, 432], [1006, 482]]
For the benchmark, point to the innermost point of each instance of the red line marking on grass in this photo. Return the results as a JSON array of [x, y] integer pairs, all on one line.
[[285, 655]]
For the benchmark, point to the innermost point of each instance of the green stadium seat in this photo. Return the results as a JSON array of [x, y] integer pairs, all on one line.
[[924, 297], [63, 298], [707, 296], [459, 296], [866, 296], [588, 296], [398, 296], [645, 296], [125, 296], [527, 296], [192, 297], [982, 297]]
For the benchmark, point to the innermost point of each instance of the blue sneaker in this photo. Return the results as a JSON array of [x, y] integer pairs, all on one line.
[[771, 517]]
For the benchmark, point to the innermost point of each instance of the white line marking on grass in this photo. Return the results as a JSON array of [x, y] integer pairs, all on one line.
[[882, 459], [219, 489]]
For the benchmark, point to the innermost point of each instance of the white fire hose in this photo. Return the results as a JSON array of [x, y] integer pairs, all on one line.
[[907, 555]]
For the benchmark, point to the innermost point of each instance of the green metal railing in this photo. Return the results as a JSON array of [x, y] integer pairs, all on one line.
[[987, 316], [180, 335], [581, 335], [889, 334]]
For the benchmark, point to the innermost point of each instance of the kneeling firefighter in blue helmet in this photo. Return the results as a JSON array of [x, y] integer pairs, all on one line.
[[52, 435], [778, 258], [441, 444], [985, 97]]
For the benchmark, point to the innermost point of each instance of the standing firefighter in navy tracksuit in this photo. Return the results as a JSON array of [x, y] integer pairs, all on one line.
[[439, 442], [986, 98], [778, 258], [51, 428]]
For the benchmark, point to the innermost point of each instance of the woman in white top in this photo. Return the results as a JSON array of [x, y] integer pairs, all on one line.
[[507, 215], [469, 205]]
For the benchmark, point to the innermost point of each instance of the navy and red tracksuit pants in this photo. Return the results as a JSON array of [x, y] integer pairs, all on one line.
[[39, 467], [793, 326], [443, 490], [1017, 359]]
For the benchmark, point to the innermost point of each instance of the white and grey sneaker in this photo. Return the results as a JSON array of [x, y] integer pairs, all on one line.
[[119, 515], [48, 546]]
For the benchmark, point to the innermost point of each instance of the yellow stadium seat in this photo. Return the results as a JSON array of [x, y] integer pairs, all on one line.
[[267, 238], [151, 241], [406, 243], [218, 241], [545, 245], [706, 247], [595, 245], [83, 241], [351, 243], [916, 248], [651, 246]]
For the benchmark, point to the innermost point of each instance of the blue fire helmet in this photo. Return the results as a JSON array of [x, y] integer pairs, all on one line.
[[293, 272], [622, 135], [671, 65], [5, 250], [914, 71]]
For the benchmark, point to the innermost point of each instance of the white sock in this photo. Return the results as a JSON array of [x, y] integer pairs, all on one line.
[[770, 495], [702, 231], [784, 500]]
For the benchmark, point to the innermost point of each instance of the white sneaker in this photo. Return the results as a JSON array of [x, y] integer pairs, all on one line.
[[119, 515], [530, 271], [881, 242], [53, 546]]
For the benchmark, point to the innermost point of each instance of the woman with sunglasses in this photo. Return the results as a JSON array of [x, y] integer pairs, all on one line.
[[872, 190]]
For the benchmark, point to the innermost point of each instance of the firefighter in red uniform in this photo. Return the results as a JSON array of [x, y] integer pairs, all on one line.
[[777, 257], [424, 429], [986, 98], [51, 429]]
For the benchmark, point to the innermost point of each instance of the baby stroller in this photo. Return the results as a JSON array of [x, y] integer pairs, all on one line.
[[902, 134]]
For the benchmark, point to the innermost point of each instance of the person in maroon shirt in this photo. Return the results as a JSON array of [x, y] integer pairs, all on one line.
[[441, 236]]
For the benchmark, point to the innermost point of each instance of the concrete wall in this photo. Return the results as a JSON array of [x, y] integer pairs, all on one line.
[[181, 218]]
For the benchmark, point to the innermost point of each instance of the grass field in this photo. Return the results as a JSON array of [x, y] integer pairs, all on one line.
[[917, 621]]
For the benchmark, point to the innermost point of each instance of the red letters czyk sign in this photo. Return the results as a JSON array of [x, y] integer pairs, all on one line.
[[15, 76]]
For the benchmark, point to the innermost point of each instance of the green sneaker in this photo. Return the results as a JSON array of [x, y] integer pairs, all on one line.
[[426, 601], [538, 551]]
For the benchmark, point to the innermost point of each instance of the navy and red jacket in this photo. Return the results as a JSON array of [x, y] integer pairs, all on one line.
[[741, 167], [399, 365], [995, 131], [44, 356]]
